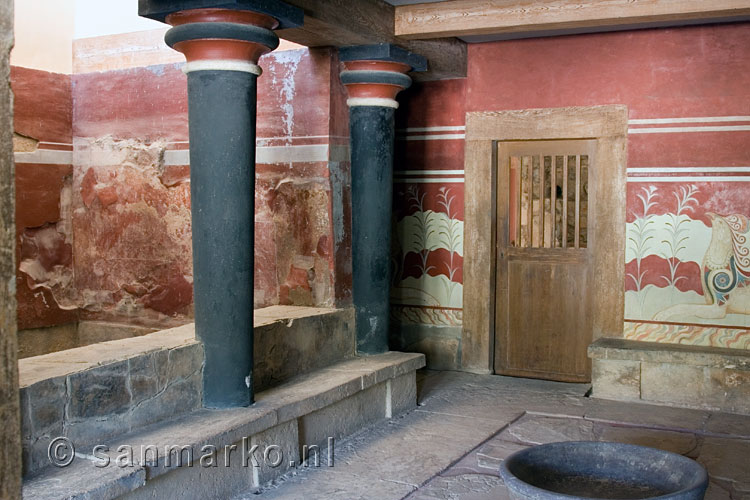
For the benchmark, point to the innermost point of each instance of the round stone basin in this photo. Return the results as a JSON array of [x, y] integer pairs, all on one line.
[[589, 469]]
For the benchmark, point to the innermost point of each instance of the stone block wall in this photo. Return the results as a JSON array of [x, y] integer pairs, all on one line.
[[678, 375], [93, 393]]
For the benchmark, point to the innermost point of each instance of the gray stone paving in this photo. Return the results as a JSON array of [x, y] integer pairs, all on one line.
[[450, 447]]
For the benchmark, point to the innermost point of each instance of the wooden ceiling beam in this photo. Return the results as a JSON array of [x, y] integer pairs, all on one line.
[[497, 17], [339, 23]]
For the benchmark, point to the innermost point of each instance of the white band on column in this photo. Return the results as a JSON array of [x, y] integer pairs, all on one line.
[[222, 65], [372, 101]]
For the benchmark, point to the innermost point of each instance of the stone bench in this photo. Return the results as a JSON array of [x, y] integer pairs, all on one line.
[[298, 419], [98, 391], [680, 375]]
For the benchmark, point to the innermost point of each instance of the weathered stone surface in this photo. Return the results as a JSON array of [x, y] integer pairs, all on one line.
[[76, 360], [726, 459], [91, 332], [673, 383], [333, 486], [38, 341], [10, 435], [657, 352], [291, 341], [493, 452], [533, 429], [82, 479], [403, 393], [43, 413], [440, 345], [403, 450], [683, 443], [277, 452], [99, 392], [466, 486], [345, 417], [647, 415], [729, 424], [616, 379], [494, 398], [727, 390], [180, 396], [309, 393], [376, 369], [430, 442]]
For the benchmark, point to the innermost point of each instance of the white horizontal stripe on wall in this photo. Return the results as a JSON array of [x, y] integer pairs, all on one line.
[[707, 178], [47, 156], [434, 137], [692, 119], [447, 128], [679, 170], [266, 154], [429, 180], [671, 130], [428, 172]]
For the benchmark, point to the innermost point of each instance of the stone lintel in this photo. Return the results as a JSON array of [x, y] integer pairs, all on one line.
[[287, 15], [383, 52]]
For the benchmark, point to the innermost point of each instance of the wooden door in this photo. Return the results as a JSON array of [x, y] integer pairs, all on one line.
[[546, 211]]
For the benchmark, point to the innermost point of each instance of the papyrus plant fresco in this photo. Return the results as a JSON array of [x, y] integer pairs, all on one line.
[[688, 265], [428, 253], [640, 233]]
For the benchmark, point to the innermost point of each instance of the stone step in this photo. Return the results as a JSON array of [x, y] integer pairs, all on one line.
[[218, 453], [93, 393]]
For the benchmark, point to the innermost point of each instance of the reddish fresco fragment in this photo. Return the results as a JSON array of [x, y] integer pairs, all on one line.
[[171, 297], [175, 174], [657, 272], [107, 196], [42, 104], [47, 246], [438, 262], [88, 183]]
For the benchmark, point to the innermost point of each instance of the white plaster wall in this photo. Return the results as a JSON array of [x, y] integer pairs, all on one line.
[[44, 34], [109, 17]]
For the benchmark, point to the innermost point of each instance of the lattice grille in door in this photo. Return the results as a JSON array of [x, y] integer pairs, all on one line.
[[548, 200]]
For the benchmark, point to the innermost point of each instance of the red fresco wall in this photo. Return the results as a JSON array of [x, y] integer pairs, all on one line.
[[688, 95], [128, 192], [43, 116]]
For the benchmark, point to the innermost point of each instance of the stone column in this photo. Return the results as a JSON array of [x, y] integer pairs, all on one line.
[[373, 75], [222, 47]]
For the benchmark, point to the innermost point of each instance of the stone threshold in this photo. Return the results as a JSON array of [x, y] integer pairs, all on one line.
[[307, 410]]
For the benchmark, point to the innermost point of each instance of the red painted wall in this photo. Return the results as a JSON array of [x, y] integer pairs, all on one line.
[[128, 191], [42, 105], [128, 119], [693, 165], [43, 112]]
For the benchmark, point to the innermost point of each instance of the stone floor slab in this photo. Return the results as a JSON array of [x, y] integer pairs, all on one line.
[[452, 445], [463, 487]]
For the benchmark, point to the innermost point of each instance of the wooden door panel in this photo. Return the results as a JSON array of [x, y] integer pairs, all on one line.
[[547, 317], [543, 301]]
